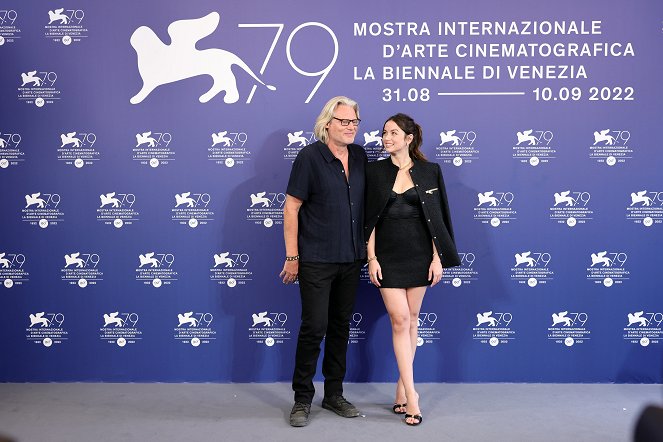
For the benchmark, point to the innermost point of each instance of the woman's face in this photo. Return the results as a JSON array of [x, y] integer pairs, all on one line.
[[394, 139]]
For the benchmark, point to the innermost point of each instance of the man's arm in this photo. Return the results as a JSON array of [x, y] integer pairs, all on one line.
[[290, 231]]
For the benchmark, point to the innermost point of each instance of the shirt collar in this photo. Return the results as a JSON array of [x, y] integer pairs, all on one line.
[[328, 155]]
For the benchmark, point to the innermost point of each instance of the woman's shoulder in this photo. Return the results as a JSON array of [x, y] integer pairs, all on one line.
[[428, 167], [380, 172], [377, 165], [432, 165]]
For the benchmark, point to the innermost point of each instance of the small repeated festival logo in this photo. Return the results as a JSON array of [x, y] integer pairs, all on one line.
[[493, 328], [611, 147], [194, 328], [644, 328], [463, 274], [82, 269], [495, 208], [11, 269], [153, 148], [269, 328], [10, 153], [646, 208], [608, 268], [120, 328], [77, 148], [228, 148], [427, 332], [231, 269], [42, 209], [156, 269], [266, 208], [531, 268], [65, 26], [457, 147], [569, 328], [10, 32], [570, 208], [192, 209], [46, 329], [117, 209], [533, 147], [38, 88]]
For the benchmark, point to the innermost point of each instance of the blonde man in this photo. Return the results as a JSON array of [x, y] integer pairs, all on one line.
[[324, 244]]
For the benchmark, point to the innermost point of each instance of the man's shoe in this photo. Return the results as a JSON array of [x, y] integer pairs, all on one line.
[[299, 416], [339, 405]]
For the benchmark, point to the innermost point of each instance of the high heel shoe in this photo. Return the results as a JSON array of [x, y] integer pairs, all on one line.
[[397, 408], [418, 417]]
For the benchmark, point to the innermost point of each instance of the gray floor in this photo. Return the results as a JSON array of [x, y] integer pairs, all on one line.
[[259, 412]]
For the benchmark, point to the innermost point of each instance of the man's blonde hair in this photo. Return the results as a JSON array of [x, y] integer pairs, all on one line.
[[327, 114]]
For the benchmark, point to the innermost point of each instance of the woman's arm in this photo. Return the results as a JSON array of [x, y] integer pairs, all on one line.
[[374, 270], [435, 268]]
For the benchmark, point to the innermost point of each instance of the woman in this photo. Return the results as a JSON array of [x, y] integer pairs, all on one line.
[[410, 240]]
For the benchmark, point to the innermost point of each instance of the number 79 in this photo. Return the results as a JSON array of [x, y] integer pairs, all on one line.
[[279, 29]]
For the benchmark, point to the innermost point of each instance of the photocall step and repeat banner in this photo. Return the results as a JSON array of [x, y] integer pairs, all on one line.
[[145, 149]]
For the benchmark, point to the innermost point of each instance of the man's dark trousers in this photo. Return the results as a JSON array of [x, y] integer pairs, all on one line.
[[328, 297]]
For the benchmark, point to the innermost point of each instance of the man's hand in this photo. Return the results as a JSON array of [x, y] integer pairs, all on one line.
[[289, 272]]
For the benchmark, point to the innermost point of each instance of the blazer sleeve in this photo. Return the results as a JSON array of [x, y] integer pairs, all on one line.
[[446, 213], [370, 202]]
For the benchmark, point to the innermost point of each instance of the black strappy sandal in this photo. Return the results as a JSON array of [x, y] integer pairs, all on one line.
[[418, 420], [398, 407]]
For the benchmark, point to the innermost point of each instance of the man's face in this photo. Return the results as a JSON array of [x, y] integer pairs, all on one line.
[[340, 135]]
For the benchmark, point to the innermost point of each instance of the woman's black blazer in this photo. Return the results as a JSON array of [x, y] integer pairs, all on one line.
[[429, 184]]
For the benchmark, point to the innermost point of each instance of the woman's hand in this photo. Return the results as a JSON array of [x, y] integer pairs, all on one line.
[[375, 272], [435, 271]]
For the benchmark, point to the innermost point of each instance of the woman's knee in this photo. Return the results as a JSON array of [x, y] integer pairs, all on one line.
[[400, 322], [414, 319]]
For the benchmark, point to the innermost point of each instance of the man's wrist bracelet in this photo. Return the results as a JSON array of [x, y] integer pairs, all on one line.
[[292, 258]]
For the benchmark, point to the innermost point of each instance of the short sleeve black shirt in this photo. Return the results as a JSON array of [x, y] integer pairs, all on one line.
[[331, 219]]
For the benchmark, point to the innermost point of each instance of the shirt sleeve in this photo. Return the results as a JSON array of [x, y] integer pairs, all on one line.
[[300, 177]]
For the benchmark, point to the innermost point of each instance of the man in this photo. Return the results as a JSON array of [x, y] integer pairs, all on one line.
[[324, 243]]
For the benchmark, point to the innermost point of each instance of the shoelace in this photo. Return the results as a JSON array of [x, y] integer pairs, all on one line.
[[341, 400], [300, 406]]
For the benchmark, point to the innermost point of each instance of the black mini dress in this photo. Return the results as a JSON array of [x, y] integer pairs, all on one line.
[[403, 245]]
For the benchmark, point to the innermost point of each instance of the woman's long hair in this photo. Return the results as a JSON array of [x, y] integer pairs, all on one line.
[[410, 127]]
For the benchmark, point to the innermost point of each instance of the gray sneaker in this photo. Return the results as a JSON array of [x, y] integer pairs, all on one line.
[[339, 405], [299, 416]]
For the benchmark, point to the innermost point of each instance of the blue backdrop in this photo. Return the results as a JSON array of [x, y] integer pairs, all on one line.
[[141, 214]]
